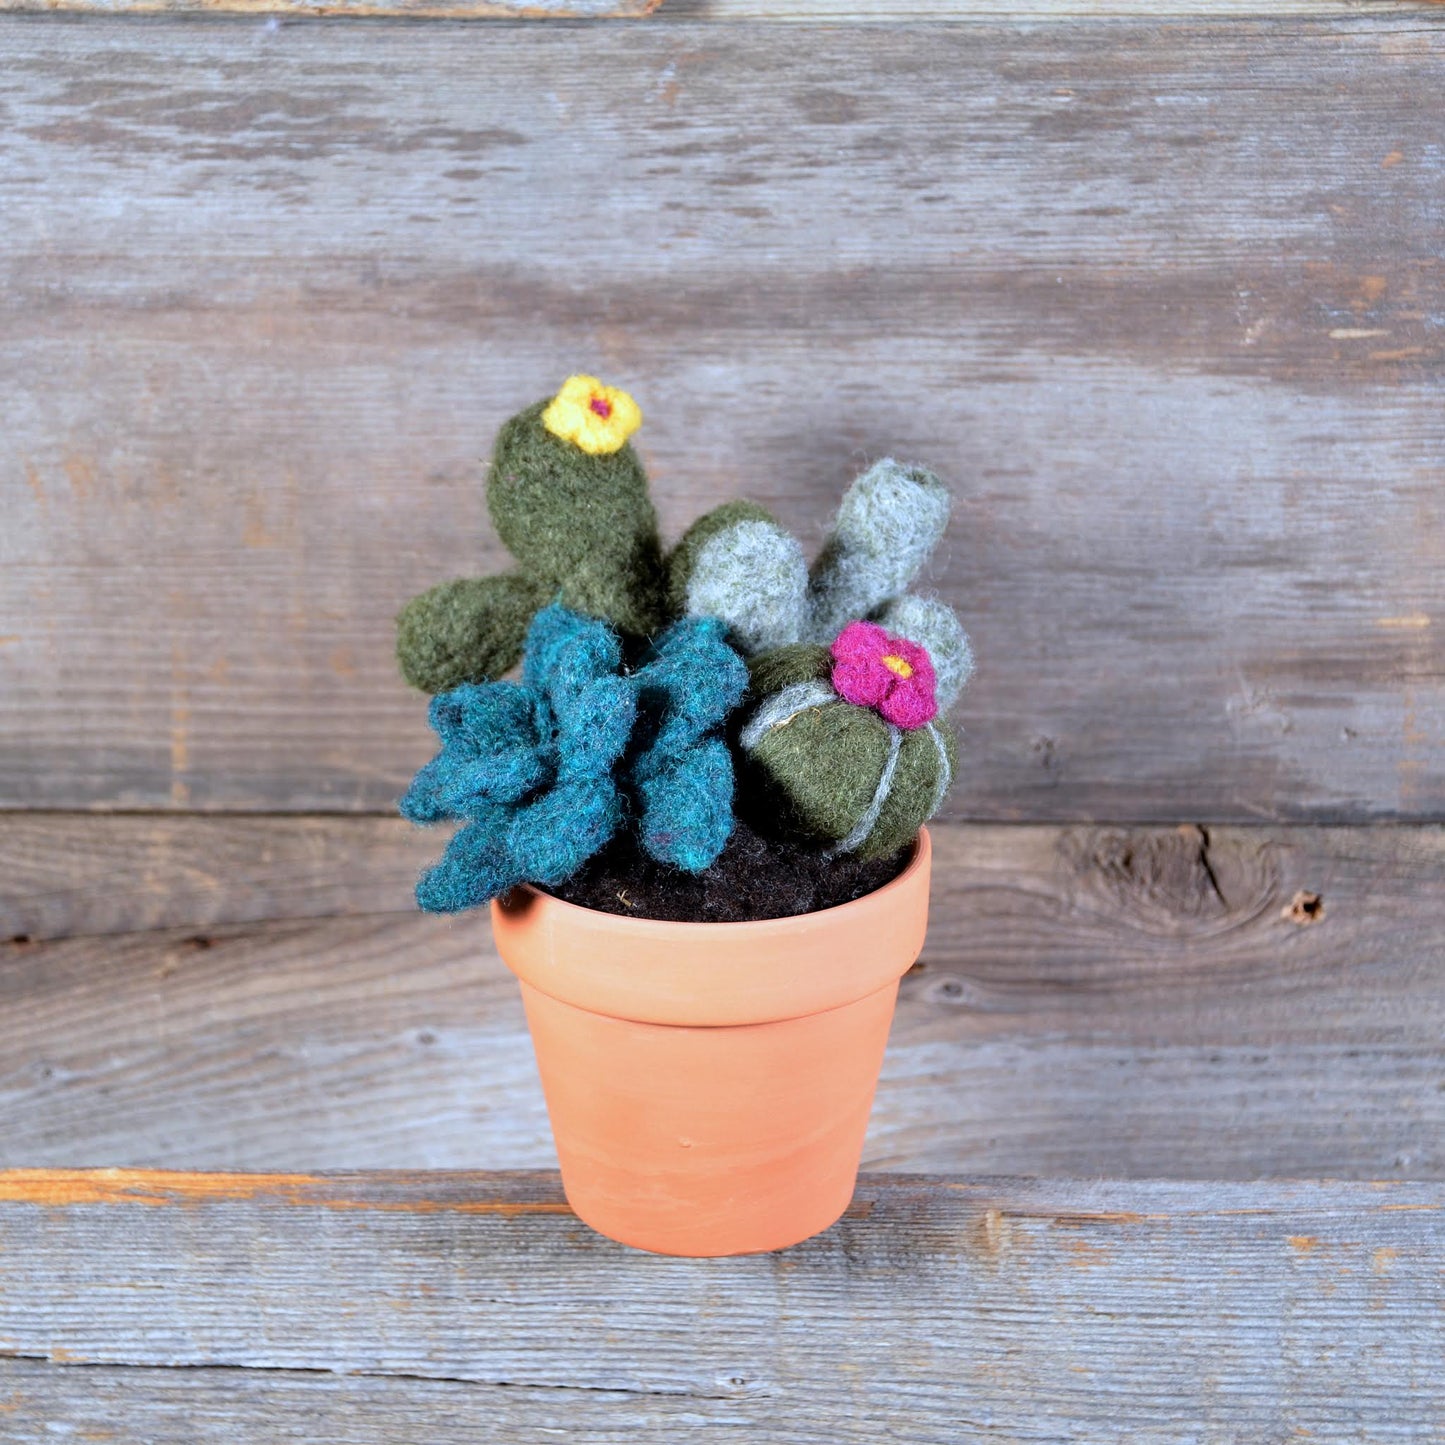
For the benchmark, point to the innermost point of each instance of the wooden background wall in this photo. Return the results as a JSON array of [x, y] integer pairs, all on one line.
[[1163, 296]]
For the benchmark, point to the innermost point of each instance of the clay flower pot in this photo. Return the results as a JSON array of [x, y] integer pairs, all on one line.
[[709, 1084]]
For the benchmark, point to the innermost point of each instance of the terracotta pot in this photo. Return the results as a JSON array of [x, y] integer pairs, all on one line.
[[709, 1084]]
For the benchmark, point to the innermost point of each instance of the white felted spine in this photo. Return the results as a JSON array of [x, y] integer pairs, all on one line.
[[783, 707], [864, 826]]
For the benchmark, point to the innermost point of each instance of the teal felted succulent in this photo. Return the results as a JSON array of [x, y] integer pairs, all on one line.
[[543, 773]]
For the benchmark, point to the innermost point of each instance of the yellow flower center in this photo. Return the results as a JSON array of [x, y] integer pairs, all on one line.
[[894, 663]]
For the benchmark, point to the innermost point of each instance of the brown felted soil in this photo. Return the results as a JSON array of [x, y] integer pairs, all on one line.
[[754, 878]]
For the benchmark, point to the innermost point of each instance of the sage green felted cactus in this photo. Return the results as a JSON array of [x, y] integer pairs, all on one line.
[[818, 768], [568, 497]]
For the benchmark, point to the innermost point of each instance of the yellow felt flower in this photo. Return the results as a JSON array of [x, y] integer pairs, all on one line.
[[597, 418]]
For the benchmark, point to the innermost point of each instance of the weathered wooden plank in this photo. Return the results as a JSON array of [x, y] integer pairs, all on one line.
[[1285, 1310], [859, 12], [1169, 323], [833, 11], [282, 1407], [369, 9], [65, 873], [1133, 1002]]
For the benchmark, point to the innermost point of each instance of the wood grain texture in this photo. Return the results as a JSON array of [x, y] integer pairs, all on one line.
[[367, 9], [1122, 1001], [863, 12], [63, 874], [937, 1310], [807, 11], [1166, 313]]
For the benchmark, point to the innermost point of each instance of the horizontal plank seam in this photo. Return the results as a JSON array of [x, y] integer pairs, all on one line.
[[1398, 22], [250, 1184], [303, 1370], [1314, 823]]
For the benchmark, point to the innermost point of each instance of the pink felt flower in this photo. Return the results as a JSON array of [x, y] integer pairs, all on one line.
[[874, 669]]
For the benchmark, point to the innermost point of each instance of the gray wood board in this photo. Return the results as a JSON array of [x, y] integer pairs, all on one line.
[[1092, 1000], [937, 1310], [369, 9], [1162, 306]]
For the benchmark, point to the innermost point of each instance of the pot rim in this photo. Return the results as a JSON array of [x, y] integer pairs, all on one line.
[[653, 970], [922, 851]]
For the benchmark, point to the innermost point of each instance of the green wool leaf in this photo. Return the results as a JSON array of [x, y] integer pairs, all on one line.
[[468, 630], [582, 525]]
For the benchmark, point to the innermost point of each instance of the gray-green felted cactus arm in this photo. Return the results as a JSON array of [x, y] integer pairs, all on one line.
[[738, 564], [568, 497], [887, 526]]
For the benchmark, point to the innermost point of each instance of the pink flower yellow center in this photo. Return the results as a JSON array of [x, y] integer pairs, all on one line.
[[896, 664]]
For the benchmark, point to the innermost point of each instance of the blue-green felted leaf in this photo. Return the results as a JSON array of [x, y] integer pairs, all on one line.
[[687, 807], [484, 715], [687, 687], [477, 866], [552, 837], [565, 651], [492, 751], [593, 728]]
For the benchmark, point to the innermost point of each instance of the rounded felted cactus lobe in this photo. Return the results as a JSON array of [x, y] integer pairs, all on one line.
[[888, 524], [817, 777], [771, 672], [581, 525], [683, 557], [813, 777], [916, 790], [468, 630], [817, 768]]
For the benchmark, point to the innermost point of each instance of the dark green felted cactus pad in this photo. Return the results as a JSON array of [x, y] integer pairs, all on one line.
[[813, 777], [771, 672], [582, 526], [915, 781], [469, 630], [683, 557]]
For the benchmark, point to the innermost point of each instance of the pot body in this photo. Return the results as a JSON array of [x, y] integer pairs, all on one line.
[[709, 1084]]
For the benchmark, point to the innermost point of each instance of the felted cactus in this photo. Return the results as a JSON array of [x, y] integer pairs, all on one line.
[[738, 564], [568, 497], [845, 748], [544, 772]]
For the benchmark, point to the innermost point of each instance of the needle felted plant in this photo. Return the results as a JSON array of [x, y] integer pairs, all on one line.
[[845, 745], [607, 769], [544, 773], [717, 734], [569, 499]]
